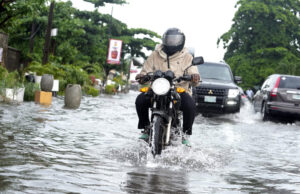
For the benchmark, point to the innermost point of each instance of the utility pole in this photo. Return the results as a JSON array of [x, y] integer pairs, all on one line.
[[108, 67], [48, 34], [110, 25]]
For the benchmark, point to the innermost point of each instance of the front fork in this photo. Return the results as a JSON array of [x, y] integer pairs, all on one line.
[[169, 124], [168, 132]]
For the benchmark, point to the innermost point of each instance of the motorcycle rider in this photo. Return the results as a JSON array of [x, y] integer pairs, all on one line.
[[170, 55]]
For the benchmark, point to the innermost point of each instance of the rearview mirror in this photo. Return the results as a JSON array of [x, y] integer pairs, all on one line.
[[198, 61], [257, 93], [256, 87], [238, 79]]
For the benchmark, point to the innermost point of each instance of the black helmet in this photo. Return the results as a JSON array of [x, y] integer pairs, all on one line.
[[173, 41]]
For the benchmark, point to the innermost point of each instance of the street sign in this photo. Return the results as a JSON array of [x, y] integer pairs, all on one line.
[[54, 32]]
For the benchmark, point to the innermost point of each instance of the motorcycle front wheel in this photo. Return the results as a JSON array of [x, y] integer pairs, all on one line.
[[157, 135]]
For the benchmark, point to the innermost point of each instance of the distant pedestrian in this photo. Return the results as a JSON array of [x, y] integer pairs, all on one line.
[[249, 94]]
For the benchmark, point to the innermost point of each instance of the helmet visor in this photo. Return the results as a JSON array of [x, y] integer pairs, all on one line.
[[173, 40]]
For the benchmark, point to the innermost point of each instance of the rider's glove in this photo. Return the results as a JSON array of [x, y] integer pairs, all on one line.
[[140, 78], [195, 78]]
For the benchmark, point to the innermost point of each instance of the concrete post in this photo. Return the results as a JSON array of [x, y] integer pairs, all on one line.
[[73, 96]]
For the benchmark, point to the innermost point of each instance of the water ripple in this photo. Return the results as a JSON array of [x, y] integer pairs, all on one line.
[[95, 149]]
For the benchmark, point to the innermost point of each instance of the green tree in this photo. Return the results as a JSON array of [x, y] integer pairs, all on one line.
[[264, 39], [100, 3], [11, 9], [26, 28], [82, 38], [100, 27]]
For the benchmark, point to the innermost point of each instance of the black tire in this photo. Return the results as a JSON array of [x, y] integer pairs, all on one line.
[[208, 115], [157, 135], [238, 109], [264, 112]]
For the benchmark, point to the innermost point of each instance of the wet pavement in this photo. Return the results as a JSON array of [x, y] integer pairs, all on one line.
[[95, 149]]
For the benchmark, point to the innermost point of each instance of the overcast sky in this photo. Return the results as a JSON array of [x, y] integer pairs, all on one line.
[[202, 21]]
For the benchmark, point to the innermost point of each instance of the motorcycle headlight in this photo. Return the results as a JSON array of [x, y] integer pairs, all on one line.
[[161, 86], [232, 93]]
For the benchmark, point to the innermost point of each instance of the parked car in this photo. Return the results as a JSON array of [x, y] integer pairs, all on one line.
[[218, 92], [279, 95]]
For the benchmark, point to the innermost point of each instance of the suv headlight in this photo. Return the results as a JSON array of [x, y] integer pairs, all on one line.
[[161, 86], [232, 93]]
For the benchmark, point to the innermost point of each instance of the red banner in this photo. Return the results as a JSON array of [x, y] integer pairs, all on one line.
[[114, 51]]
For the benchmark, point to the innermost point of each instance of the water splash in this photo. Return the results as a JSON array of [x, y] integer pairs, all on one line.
[[176, 156]]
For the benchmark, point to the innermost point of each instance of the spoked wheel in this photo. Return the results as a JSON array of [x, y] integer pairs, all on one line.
[[265, 114], [157, 136]]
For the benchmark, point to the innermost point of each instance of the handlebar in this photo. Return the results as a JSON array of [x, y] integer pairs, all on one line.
[[147, 78], [183, 78]]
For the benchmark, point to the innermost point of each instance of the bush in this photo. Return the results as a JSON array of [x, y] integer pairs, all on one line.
[[10, 80], [30, 89], [110, 89], [36, 67], [118, 79], [3, 73], [66, 74], [73, 75], [13, 80], [90, 90], [94, 69], [76, 75]]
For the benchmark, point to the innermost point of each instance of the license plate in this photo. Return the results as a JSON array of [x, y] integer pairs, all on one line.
[[211, 99], [296, 97]]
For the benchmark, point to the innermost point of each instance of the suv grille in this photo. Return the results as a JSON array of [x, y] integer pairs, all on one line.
[[211, 92]]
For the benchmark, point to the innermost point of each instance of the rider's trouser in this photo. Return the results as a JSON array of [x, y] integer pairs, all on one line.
[[188, 108]]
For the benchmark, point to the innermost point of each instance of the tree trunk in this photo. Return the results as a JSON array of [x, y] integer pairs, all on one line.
[[48, 34], [3, 49], [31, 43]]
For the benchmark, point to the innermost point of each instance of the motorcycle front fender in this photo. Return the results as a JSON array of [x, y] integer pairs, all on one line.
[[162, 114]]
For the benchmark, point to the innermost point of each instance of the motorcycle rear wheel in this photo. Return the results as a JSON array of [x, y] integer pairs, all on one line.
[[157, 136]]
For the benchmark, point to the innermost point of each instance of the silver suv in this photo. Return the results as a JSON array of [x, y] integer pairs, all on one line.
[[279, 95]]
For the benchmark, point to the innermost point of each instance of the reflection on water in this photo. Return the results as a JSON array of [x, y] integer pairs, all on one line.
[[158, 180], [261, 185], [95, 149]]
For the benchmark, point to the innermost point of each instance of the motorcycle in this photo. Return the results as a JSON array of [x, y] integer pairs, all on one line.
[[165, 113]]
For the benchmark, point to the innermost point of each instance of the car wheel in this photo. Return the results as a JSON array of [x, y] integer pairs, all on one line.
[[206, 115], [265, 114], [254, 106], [238, 109]]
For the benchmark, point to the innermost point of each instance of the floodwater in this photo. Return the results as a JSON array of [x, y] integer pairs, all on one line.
[[95, 149]]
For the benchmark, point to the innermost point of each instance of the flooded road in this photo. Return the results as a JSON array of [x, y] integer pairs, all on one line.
[[95, 149]]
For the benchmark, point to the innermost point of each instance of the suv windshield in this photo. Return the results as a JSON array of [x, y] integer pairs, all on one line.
[[289, 82], [214, 71]]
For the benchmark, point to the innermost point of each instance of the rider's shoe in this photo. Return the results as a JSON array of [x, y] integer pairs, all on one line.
[[145, 134], [185, 140]]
